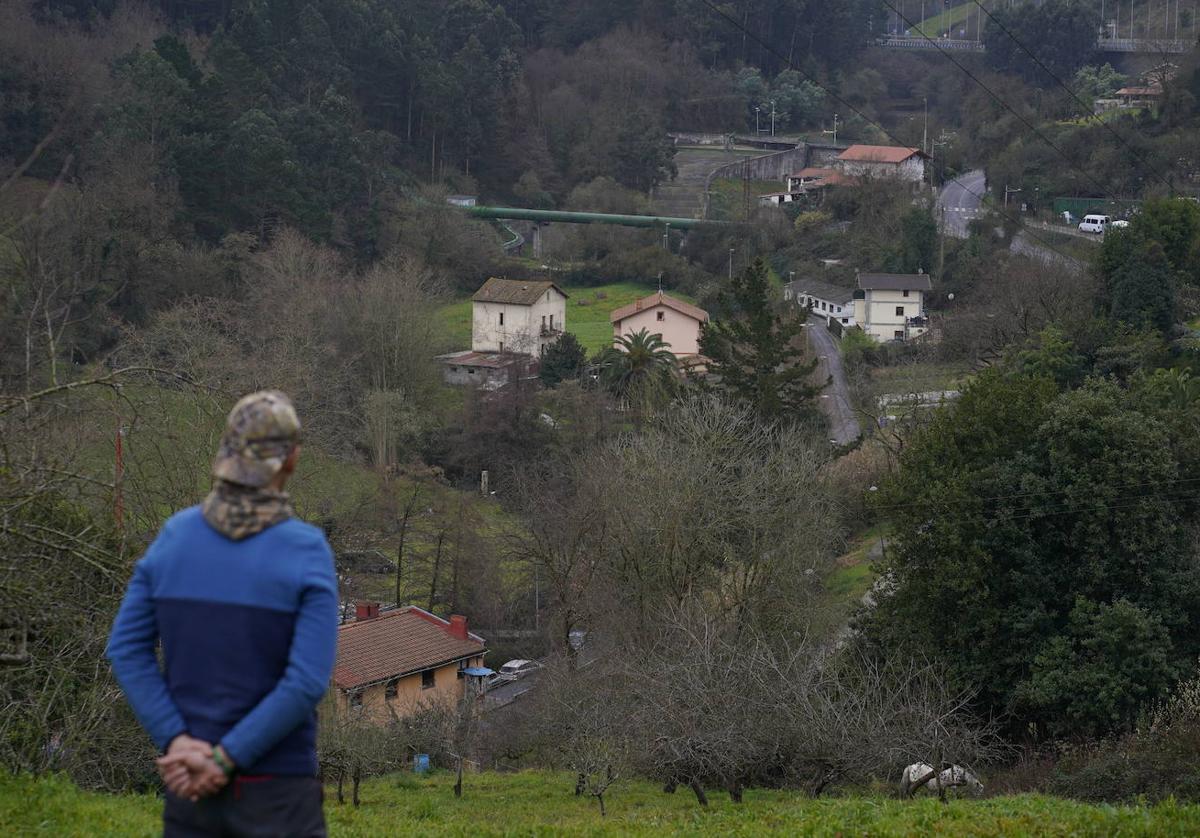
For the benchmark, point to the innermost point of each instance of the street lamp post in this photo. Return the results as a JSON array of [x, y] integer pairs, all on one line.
[[756, 128], [772, 117]]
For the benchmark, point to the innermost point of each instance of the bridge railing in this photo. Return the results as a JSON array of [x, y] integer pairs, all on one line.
[[925, 43], [1149, 46], [1146, 45]]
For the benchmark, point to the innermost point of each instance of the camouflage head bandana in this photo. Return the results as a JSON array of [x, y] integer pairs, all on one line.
[[239, 512], [260, 433]]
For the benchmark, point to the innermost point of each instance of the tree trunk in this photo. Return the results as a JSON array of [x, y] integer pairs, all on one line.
[[669, 786], [698, 790], [600, 799], [355, 780], [580, 784], [408, 508], [458, 782], [437, 563], [735, 792]]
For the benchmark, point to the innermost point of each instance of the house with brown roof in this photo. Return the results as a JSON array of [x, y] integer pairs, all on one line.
[[517, 315], [677, 322], [883, 161], [512, 323], [390, 663]]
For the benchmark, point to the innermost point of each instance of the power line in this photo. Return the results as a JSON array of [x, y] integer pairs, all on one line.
[[1102, 188], [1071, 92], [736, 24]]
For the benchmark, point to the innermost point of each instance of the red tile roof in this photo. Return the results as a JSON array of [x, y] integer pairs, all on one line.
[[878, 154], [397, 643], [659, 299]]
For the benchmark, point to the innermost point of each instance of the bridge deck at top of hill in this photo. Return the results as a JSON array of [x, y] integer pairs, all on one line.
[[1148, 46]]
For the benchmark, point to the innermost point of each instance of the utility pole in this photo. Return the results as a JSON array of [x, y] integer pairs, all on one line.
[[925, 131], [834, 131], [731, 264], [757, 130], [772, 117]]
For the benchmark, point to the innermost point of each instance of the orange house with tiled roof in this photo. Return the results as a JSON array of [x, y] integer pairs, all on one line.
[[393, 662], [660, 314]]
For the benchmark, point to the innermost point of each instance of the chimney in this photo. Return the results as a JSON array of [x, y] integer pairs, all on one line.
[[366, 610], [458, 626]]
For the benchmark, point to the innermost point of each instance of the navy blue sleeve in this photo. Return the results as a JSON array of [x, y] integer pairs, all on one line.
[[131, 649], [309, 666]]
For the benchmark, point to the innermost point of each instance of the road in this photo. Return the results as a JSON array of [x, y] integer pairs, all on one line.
[[958, 202], [835, 402]]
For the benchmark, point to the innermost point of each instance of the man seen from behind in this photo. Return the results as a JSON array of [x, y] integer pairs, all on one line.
[[243, 597]]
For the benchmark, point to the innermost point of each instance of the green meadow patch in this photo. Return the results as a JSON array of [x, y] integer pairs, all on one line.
[[542, 803]]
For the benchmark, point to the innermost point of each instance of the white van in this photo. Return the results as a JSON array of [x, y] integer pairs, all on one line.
[[1094, 223]]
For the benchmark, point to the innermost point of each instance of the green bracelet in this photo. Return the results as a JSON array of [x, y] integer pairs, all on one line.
[[221, 762]]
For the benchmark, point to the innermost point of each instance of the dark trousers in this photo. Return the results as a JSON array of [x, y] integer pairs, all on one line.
[[250, 806]]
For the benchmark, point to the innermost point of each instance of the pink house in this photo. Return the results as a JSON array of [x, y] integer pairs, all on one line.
[[678, 322]]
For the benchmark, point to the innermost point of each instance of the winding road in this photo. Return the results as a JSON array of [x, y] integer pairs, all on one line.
[[835, 404], [958, 202]]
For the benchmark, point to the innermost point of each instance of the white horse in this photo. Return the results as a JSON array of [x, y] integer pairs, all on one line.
[[952, 777]]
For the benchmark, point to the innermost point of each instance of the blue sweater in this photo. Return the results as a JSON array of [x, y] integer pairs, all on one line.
[[249, 634]]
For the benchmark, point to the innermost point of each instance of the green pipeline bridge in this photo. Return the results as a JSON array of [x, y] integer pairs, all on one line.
[[543, 217], [560, 216]]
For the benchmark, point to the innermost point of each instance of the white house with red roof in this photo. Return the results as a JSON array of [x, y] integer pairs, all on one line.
[[878, 161]]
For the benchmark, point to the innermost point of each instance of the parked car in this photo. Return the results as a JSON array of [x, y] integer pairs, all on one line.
[[514, 670], [1094, 223], [1120, 223]]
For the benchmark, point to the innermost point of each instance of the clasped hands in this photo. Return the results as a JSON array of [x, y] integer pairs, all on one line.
[[188, 769]]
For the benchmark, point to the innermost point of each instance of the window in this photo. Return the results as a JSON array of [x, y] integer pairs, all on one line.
[[662, 315], [391, 689], [501, 318], [502, 346], [427, 679], [845, 319], [551, 321], [905, 292], [899, 311], [823, 305], [898, 334], [470, 370], [461, 666], [356, 700]]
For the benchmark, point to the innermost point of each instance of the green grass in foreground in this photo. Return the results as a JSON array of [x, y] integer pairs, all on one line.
[[539, 803], [588, 311]]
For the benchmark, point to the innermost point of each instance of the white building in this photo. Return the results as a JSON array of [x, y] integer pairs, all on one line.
[[883, 161], [891, 306], [512, 323], [516, 315], [829, 302]]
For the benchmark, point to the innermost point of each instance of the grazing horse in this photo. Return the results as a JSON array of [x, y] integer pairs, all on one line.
[[954, 776]]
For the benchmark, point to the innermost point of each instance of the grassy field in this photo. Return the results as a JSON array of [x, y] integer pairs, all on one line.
[[588, 311], [951, 19], [727, 197], [535, 803]]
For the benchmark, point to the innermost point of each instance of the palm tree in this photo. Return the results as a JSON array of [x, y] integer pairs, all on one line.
[[639, 364]]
